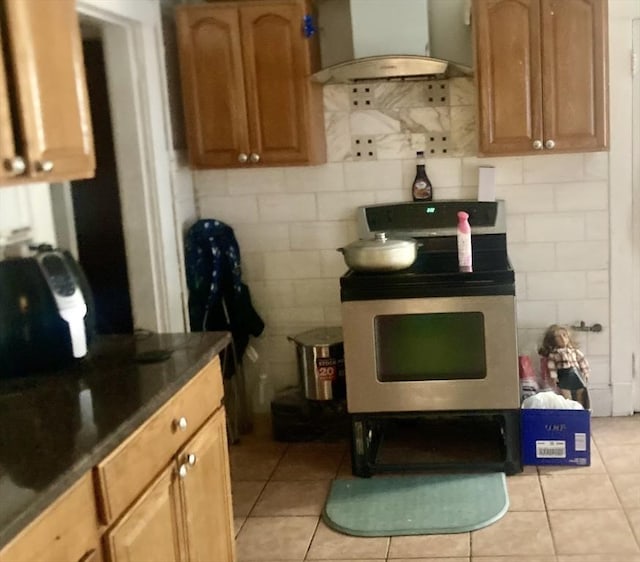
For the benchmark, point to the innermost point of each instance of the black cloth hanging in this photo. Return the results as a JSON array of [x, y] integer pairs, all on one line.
[[218, 299]]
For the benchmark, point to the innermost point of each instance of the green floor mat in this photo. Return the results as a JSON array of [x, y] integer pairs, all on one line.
[[416, 505]]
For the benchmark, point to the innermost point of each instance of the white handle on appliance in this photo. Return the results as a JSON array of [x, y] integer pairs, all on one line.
[[75, 318]]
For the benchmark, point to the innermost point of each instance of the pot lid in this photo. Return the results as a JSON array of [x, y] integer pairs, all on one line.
[[381, 242], [319, 336]]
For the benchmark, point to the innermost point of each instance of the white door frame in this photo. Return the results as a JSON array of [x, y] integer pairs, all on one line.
[[136, 79], [635, 143], [623, 334]]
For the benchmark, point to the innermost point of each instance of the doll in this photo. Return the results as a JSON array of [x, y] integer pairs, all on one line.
[[567, 365]]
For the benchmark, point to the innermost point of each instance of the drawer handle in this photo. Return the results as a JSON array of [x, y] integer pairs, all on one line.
[[180, 423], [15, 166], [182, 470], [45, 166], [89, 556], [191, 459]]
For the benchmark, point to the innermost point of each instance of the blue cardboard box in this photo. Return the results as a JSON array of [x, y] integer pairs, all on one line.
[[556, 437]]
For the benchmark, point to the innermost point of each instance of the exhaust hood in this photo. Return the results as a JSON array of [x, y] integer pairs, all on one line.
[[393, 39]]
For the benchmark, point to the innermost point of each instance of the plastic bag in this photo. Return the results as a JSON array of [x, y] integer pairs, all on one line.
[[549, 400]]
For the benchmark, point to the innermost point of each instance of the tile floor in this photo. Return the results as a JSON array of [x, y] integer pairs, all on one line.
[[565, 514]]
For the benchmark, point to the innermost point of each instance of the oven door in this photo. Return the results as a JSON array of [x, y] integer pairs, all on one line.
[[431, 354]]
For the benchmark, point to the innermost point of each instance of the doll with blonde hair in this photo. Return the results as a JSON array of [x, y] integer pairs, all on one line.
[[567, 365]]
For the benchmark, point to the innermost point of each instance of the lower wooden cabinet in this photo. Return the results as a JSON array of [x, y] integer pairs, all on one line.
[[206, 493], [164, 495], [151, 529], [66, 531], [186, 513]]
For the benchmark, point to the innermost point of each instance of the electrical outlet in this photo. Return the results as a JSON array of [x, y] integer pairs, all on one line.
[[363, 148], [437, 144], [361, 97], [437, 93]]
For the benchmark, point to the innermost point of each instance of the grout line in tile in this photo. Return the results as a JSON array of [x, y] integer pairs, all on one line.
[[313, 536], [546, 512], [264, 485]]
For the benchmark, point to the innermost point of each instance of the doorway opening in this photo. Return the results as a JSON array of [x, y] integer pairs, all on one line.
[[96, 209], [131, 37]]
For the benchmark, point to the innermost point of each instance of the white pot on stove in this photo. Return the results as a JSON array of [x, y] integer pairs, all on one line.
[[380, 253]]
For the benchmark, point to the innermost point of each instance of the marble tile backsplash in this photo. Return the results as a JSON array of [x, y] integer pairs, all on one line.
[[289, 221]]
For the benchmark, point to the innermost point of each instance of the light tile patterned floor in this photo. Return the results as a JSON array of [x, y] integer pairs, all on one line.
[[563, 514]]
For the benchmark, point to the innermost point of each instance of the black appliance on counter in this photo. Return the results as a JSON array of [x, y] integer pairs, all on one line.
[[430, 351], [46, 312]]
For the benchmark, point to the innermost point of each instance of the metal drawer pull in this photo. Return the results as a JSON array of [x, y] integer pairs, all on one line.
[[191, 459], [182, 470], [45, 166], [254, 157], [242, 158], [15, 166], [550, 144], [537, 144], [180, 423]]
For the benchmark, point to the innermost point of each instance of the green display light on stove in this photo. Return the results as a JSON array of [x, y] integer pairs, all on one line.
[[430, 210]]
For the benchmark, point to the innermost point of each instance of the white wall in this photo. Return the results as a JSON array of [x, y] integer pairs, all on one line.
[[27, 206], [289, 221]]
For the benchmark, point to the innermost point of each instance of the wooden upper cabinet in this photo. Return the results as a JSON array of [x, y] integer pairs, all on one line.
[[247, 94], [574, 80], [542, 76], [51, 123], [10, 163]]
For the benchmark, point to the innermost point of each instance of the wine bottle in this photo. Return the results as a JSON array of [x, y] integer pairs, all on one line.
[[422, 190]]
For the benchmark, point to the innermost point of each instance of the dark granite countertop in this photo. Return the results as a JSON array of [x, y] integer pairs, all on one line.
[[55, 427]]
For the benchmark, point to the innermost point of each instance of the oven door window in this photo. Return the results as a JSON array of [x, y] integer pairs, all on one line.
[[419, 347]]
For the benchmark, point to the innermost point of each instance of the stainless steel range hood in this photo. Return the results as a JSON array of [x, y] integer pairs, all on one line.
[[382, 67], [356, 37]]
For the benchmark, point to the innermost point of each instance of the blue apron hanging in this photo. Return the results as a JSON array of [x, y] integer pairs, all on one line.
[[218, 299]]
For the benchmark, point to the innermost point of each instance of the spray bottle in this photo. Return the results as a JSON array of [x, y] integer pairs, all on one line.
[[464, 242]]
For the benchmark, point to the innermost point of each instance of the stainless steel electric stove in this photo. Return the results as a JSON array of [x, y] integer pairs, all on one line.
[[433, 343]]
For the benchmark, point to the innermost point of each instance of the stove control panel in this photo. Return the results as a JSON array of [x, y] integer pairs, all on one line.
[[432, 218]]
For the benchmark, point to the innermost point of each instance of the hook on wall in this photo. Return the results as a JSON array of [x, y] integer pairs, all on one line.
[[582, 327]]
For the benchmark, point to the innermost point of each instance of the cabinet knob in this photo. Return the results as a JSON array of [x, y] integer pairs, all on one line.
[[45, 166], [537, 144], [191, 459], [15, 166], [180, 423], [182, 470], [550, 144], [242, 158], [255, 157]]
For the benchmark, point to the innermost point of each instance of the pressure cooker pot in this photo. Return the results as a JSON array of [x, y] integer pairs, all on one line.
[[380, 253], [320, 355]]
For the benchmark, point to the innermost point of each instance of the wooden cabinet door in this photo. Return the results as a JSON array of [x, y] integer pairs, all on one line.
[[276, 62], [152, 528], [47, 61], [212, 85], [574, 80], [206, 494], [67, 530], [7, 145], [508, 75]]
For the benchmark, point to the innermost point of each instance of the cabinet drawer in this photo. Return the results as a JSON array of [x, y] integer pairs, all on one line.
[[124, 474], [67, 530]]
